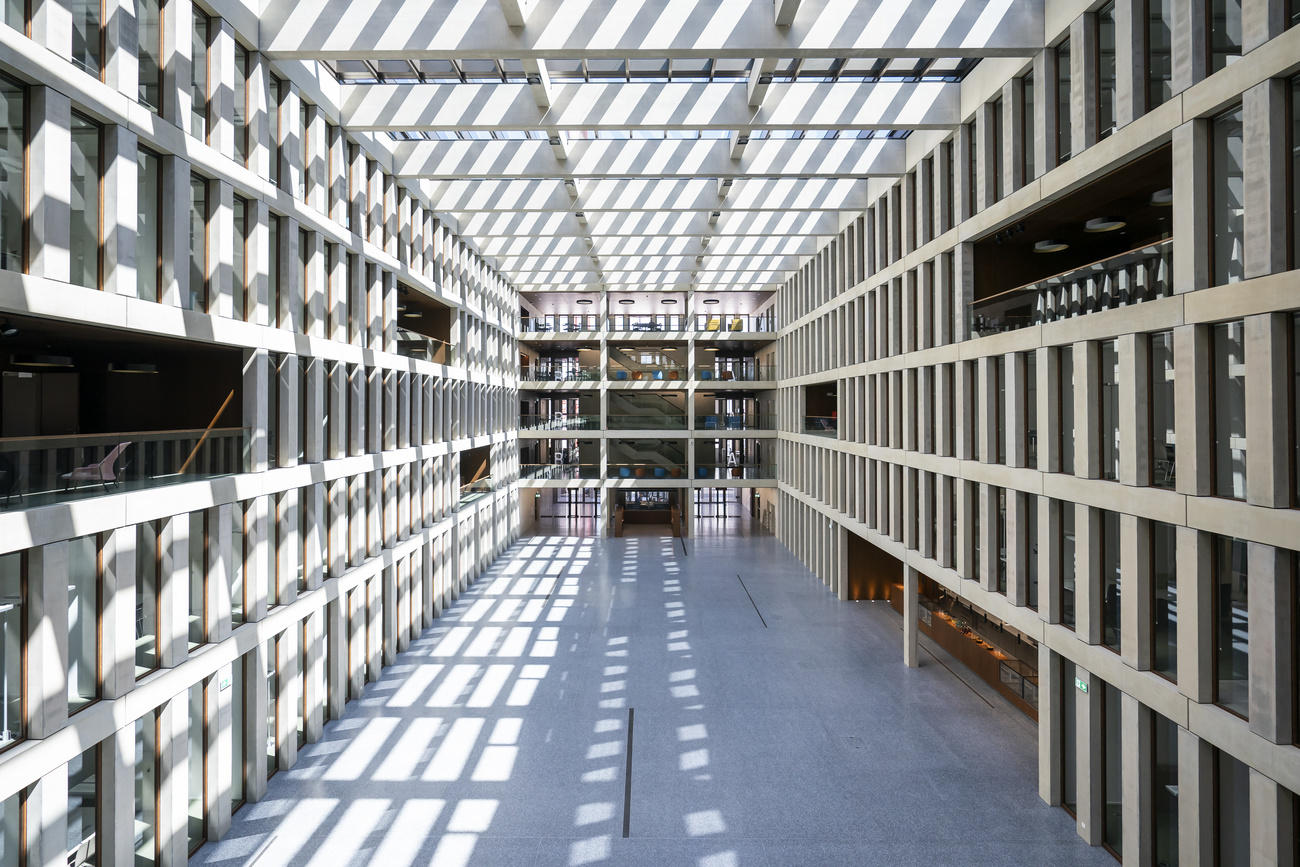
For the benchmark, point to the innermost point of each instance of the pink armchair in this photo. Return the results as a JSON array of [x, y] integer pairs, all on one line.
[[101, 472]]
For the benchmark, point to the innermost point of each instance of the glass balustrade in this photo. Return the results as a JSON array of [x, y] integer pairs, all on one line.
[[36, 471], [648, 322], [559, 422], [559, 472], [667, 470], [563, 323], [1138, 275], [660, 371], [735, 421], [415, 345], [560, 373], [475, 490], [744, 322], [735, 471], [646, 421], [743, 370], [826, 425]]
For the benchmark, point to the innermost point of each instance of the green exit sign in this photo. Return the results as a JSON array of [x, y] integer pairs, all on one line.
[[224, 684], [1080, 684]]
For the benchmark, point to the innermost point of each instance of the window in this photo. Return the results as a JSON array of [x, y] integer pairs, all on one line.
[[1110, 580], [1228, 406], [13, 174], [1231, 810], [12, 588], [241, 105], [999, 399], [1031, 409], [304, 136], [333, 304], [1065, 389], [197, 827], [237, 723], [1030, 537], [1106, 120], [1067, 563], [1295, 422], [331, 188], [1164, 601], [239, 261], [948, 206], [1161, 390], [147, 564], [1294, 167], [1000, 534], [1227, 197], [1224, 28], [87, 35], [1231, 625], [1063, 131], [1112, 776], [199, 76], [197, 298], [304, 268], [146, 790], [972, 170], [1027, 129], [148, 241], [1069, 739], [273, 127], [998, 139], [15, 15], [273, 269], [83, 229], [1108, 434], [11, 820], [1164, 789], [1159, 52], [83, 807], [148, 17], [198, 572], [272, 705], [238, 557], [83, 621]]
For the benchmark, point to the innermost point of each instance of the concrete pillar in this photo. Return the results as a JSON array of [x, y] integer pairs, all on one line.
[[1195, 616], [1269, 480], [1272, 651], [1192, 420], [46, 672], [120, 188], [1049, 726], [1136, 764], [1272, 822], [911, 609], [49, 178], [1191, 205], [1195, 799]]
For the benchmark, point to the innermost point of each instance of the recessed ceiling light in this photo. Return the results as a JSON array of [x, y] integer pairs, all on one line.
[[8, 329], [40, 361], [626, 301], [1049, 246], [1104, 224], [670, 300], [584, 300], [711, 301], [1163, 198], [132, 367]]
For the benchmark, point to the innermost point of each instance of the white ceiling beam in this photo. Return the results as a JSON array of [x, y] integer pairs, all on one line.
[[516, 11], [760, 79], [348, 29], [634, 279], [785, 11], [524, 264], [767, 224], [501, 249], [859, 158], [463, 197], [830, 105]]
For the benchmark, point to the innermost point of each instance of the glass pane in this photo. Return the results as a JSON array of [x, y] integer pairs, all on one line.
[[1230, 410], [1063, 133], [1110, 580], [237, 723], [1165, 790], [1164, 611], [241, 106], [197, 299], [1225, 33], [1066, 390], [273, 129], [83, 800], [237, 556], [83, 622], [1069, 737], [11, 650], [1067, 565], [199, 77], [272, 705], [146, 791], [1162, 409], [148, 16], [1027, 145], [1228, 195], [196, 766], [239, 275], [147, 243], [146, 599], [1160, 28], [998, 140], [1232, 803], [1106, 70], [12, 175], [1031, 409], [1295, 165], [1112, 768], [86, 43], [83, 230], [1231, 625], [1109, 439], [198, 571], [273, 271], [1031, 540]]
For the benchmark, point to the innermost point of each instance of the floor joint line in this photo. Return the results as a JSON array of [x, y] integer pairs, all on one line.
[[627, 777], [751, 600]]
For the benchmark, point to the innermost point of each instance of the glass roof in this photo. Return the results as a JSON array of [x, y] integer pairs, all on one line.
[[643, 134]]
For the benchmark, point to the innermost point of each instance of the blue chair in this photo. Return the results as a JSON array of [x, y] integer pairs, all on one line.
[[620, 374], [659, 374], [710, 422], [702, 472], [706, 374], [660, 472], [624, 473]]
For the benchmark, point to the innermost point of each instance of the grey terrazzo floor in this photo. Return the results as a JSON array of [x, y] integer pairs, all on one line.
[[499, 737]]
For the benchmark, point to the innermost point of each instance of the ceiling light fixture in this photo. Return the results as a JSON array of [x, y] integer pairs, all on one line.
[[8, 329], [1049, 246], [1163, 198], [626, 301], [1098, 225], [670, 300], [584, 300], [59, 361], [711, 301], [132, 367]]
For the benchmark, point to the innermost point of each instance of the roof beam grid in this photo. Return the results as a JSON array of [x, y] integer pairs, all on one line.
[[682, 224]]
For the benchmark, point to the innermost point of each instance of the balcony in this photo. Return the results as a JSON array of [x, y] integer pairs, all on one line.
[[735, 421], [41, 470], [662, 371], [735, 471], [415, 345], [475, 490], [646, 471], [745, 370], [562, 323], [822, 425], [728, 322], [560, 373], [559, 472], [1141, 274], [645, 421], [559, 422], [648, 322]]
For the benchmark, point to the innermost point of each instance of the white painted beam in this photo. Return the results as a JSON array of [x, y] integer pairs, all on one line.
[[501, 248], [682, 224], [785, 11]]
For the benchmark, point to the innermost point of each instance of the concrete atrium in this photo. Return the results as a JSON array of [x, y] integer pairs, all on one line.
[[700, 432]]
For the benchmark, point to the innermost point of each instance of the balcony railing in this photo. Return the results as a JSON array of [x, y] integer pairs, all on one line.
[[37, 471], [1141, 274], [735, 421], [646, 471], [560, 373], [559, 322], [559, 471], [747, 371], [661, 372], [735, 471], [475, 490], [826, 425], [415, 345], [646, 421], [648, 322], [559, 422], [735, 322]]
